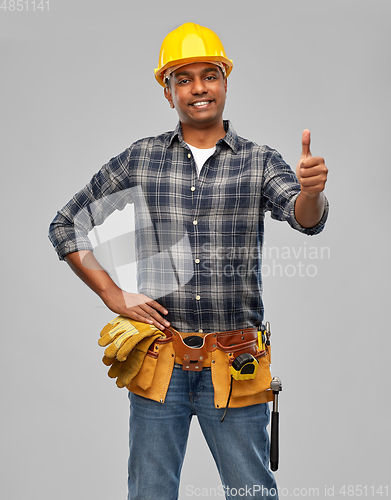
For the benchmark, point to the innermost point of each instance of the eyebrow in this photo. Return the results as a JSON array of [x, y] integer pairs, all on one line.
[[204, 71]]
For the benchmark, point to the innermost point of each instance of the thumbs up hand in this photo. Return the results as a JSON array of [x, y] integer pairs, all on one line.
[[311, 170]]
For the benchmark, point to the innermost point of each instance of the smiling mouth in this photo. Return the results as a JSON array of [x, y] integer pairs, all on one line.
[[200, 104]]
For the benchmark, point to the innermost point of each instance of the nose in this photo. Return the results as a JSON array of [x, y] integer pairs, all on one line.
[[199, 86]]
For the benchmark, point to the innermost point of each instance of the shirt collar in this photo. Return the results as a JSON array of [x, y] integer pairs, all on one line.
[[231, 138]]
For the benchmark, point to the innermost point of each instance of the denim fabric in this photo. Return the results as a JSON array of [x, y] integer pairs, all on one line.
[[158, 436]]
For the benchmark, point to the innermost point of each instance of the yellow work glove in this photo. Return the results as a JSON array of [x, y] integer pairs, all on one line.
[[122, 334], [125, 371]]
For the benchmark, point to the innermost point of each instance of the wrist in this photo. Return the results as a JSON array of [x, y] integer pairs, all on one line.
[[310, 195]]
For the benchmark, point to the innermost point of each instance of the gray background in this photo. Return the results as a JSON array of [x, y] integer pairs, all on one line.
[[77, 88]]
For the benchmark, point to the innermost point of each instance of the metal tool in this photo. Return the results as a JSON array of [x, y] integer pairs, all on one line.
[[276, 387], [268, 333]]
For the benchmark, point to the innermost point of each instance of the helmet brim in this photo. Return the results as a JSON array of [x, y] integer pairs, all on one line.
[[159, 72]]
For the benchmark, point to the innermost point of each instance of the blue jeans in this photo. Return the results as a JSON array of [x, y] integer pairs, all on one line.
[[158, 435]]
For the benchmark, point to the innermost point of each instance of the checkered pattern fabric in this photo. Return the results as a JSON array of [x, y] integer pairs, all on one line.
[[198, 239]]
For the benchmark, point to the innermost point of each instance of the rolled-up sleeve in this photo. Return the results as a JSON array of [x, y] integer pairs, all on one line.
[[107, 191]]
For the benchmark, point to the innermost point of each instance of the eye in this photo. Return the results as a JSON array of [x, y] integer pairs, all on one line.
[[183, 81], [210, 77]]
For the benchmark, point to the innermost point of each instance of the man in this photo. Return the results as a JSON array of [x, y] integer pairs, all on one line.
[[215, 186]]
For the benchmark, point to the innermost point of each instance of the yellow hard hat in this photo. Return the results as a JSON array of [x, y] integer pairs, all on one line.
[[190, 43]]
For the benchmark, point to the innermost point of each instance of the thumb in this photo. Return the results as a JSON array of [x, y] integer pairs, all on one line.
[[305, 144]]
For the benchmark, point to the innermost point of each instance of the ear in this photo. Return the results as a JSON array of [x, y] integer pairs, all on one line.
[[167, 95]]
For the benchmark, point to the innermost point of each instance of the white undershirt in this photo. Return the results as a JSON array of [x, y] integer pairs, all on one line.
[[201, 155]]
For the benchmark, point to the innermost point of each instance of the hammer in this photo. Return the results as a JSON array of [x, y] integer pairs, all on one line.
[[276, 387]]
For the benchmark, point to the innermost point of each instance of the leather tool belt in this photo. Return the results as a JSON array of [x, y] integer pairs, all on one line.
[[216, 350], [193, 358], [151, 370]]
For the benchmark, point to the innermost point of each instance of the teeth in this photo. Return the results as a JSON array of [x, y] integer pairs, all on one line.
[[202, 103]]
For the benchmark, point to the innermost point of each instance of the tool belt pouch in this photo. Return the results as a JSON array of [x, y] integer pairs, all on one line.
[[153, 379], [147, 371], [244, 392]]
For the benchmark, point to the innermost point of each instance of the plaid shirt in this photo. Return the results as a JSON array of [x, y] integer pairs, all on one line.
[[198, 240]]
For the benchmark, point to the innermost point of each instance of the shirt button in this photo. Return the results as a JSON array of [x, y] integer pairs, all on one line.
[[195, 222], [192, 188], [197, 261], [188, 155], [198, 297]]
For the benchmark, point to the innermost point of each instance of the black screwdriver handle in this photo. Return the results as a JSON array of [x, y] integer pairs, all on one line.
[[274, 442]]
